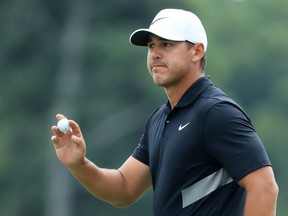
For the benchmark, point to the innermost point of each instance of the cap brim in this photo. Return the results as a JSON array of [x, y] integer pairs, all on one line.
[[140, 37]]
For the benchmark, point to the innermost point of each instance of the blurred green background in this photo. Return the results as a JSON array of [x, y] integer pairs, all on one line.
[[73, 57]]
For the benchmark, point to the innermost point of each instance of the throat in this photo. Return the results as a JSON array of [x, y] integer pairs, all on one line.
[[174, 96]]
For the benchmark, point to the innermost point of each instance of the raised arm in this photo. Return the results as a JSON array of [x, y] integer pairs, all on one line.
[[119, 187]]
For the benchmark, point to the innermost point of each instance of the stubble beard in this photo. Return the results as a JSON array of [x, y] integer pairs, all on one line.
[[165, 81]]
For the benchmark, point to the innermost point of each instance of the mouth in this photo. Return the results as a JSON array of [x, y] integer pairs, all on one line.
[[157, 65]]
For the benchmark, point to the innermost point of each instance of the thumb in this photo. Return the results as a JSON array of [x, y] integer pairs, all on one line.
[[60, 116]]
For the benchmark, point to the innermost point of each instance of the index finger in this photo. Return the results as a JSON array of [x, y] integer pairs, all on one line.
[[75, 128]]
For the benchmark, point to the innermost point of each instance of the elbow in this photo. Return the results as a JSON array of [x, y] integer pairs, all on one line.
[[270, 190], [274, 190], [122, 203], [270, 187]]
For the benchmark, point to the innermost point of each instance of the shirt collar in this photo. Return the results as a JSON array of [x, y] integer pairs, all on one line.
[[192, 92]]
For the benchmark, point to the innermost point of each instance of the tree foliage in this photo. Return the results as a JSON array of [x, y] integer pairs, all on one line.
[[73, 57]]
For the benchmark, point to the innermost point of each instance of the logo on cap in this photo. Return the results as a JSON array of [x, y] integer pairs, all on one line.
[[158, 20]]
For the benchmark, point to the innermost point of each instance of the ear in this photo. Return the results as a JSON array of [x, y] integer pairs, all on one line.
[[199, 52]]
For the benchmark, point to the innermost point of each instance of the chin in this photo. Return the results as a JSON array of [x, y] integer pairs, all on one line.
[[162, 84]]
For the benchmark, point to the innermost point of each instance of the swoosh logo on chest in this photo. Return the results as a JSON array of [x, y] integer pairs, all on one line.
[[182, 127]]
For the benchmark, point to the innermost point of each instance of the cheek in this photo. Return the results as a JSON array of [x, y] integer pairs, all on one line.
[[148, 63]]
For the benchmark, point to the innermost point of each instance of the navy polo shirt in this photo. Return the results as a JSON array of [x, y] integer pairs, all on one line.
[[197, 153]]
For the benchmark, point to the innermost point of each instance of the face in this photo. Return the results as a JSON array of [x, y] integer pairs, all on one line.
[[169, 62]]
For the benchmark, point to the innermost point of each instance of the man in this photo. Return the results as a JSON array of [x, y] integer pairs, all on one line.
[[199, 151]]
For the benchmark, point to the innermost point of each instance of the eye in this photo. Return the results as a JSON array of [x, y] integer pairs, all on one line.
[[150, 45], [166, 44]]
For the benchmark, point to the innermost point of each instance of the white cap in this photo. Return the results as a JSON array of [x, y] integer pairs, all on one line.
[[175, 25]]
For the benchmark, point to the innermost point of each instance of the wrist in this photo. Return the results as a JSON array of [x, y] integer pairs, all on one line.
[[79, 166]]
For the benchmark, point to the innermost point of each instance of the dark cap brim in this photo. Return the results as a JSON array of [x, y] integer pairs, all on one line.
[[140, 37]]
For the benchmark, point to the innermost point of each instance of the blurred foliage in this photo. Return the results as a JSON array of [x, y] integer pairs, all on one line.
[[73, 57]]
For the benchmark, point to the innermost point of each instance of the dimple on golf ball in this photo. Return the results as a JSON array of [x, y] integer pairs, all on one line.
[[63, 125]]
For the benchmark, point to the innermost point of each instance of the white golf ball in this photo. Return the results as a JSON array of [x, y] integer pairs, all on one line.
[[63, 125]]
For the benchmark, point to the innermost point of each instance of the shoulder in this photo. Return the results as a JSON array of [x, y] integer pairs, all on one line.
[[224, 116], [214, 103]]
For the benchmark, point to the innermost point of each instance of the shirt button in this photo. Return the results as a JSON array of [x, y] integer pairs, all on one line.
[[167, 121]]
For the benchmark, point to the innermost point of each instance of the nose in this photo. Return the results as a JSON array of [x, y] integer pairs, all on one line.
[[155, 53]]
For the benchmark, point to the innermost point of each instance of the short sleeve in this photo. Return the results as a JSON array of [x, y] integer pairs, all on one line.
[[232, 141], [141, 152]]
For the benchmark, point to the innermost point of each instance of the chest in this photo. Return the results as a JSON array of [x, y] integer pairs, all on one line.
[[176, 142]]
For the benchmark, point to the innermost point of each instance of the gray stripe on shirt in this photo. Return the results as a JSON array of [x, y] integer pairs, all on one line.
[[205, 186]]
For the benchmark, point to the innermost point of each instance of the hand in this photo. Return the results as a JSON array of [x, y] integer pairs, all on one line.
[[70, 146]]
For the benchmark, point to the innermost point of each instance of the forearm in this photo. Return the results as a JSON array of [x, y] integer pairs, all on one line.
[[118, 187], [106, 184]]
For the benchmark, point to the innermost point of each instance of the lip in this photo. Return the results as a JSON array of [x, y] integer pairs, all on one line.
[[157, 64]]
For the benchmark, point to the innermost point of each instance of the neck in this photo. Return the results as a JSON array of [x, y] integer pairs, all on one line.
[[175, 92]]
